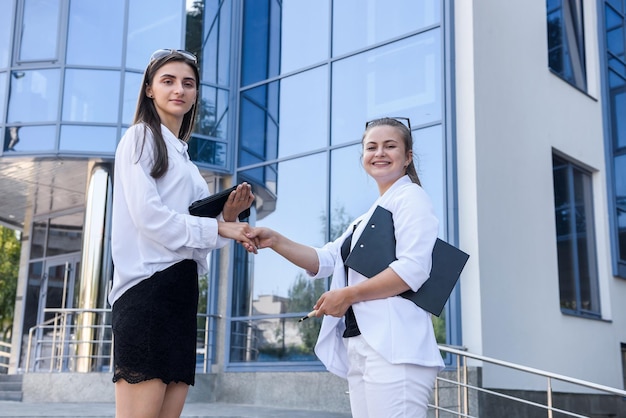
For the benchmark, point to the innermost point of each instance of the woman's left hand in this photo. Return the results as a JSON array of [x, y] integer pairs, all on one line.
[[238, 201], [335, 302]]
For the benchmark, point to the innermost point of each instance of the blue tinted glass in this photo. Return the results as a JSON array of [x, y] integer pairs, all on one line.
[[399, 79], [95, 33], [212, 118], [429, 159], [152, 25], [361, 23], [3, 94], [132, 83], [258, 124], [206, 151], [620, 180], [305, 27], [303, 123], [260, 44], [91, 96], [33, 96], [619, 115], [29, 138], [92, 139], [40, 30], [216, 43], [618, 4], [297, 180], [5, 31]]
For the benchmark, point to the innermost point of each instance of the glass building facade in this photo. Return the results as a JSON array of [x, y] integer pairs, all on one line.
[[286, 89]]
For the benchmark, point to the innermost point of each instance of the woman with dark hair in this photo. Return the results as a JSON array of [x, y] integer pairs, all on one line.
[[158, 248], [381, 342]]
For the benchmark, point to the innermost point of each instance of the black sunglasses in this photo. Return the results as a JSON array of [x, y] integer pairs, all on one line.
[[160, 53], [405, 121]]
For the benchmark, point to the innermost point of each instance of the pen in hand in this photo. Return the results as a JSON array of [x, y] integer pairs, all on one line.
[[309, 315]]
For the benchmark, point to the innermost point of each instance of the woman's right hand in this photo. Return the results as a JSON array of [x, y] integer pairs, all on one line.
[[237, 231]]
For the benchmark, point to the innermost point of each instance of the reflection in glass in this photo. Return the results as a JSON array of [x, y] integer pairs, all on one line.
[[152, 25], [352, 190], [93, 139], [31, 304], [304, 123], [275, 338], [95, 33], [260, 55], [91, 96], [3, 94], [300, 214], [5, 32], [34, 96], [38, 239], [65, 234], [399, 79], [306, 27], [212, 118], [132, 82], [214, 42], [619, 110], [40, 29], [258, 124], [361, 23], [206, 151], [29, 138]]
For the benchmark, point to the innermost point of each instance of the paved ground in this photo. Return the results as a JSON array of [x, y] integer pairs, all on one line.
[[192, 410]]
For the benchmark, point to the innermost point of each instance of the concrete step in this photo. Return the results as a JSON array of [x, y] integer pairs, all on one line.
[[10, 387]]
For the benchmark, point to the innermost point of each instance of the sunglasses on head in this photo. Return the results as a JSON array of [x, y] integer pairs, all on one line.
[[160, 53], [405, 121]]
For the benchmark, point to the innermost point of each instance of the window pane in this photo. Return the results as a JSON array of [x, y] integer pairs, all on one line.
[[91, 96], [95, 33], [40, 29], [3, 94], [132, 83], [304, 123], [215, 43], [273, 339], [619, 110], [614, 32], [429, 159], [205, 151], [65, 234], [6, 18], [212, 118], [38, 240], [305, 27], [34, 96], [30, 138], [358, 23], [260, 55], [96, 139], [620, 181], [258, 124], [152, 25], [400, 79], [621, 232]]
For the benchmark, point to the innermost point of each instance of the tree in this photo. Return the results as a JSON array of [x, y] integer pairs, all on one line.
[[10, 249]]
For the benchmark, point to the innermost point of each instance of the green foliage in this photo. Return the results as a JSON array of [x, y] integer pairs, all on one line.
[[439, 324], [10, 249], [302, 297]]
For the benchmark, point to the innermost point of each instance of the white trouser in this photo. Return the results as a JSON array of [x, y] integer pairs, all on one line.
[[379, 389]]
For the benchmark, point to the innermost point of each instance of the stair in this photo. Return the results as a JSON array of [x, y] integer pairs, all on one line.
[[10, 387]]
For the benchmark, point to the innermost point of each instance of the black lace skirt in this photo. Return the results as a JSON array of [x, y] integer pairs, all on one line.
[[154, 327]]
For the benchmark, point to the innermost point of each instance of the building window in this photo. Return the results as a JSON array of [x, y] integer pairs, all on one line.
[[615, 61], [566, 46], [576, 251], [624, 365]]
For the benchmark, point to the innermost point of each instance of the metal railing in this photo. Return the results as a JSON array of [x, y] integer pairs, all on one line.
[[56, 346], [68, 343], [5, 355], [465, 398]]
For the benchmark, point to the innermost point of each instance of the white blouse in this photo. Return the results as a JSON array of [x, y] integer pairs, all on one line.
[[151, 225], [399, 330]]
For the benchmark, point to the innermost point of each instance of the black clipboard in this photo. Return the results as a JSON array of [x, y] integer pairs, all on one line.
[[376, 249], [211, 206]]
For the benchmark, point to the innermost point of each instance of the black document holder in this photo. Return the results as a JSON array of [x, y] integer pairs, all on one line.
[[376, 249], [211, 206]]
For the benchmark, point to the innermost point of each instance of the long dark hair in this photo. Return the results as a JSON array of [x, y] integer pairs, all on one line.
[[146, 112], [407, 138]]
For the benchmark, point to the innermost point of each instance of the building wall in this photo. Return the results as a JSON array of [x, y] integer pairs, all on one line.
[[512, 111]]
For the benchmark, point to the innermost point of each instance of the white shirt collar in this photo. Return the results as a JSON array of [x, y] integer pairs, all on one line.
[[180, 145]]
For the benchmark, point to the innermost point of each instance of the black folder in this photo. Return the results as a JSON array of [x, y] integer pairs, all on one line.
[[211, 206], [376, 249]]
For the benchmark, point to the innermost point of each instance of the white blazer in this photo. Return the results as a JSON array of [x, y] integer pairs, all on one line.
[[399, 330]]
